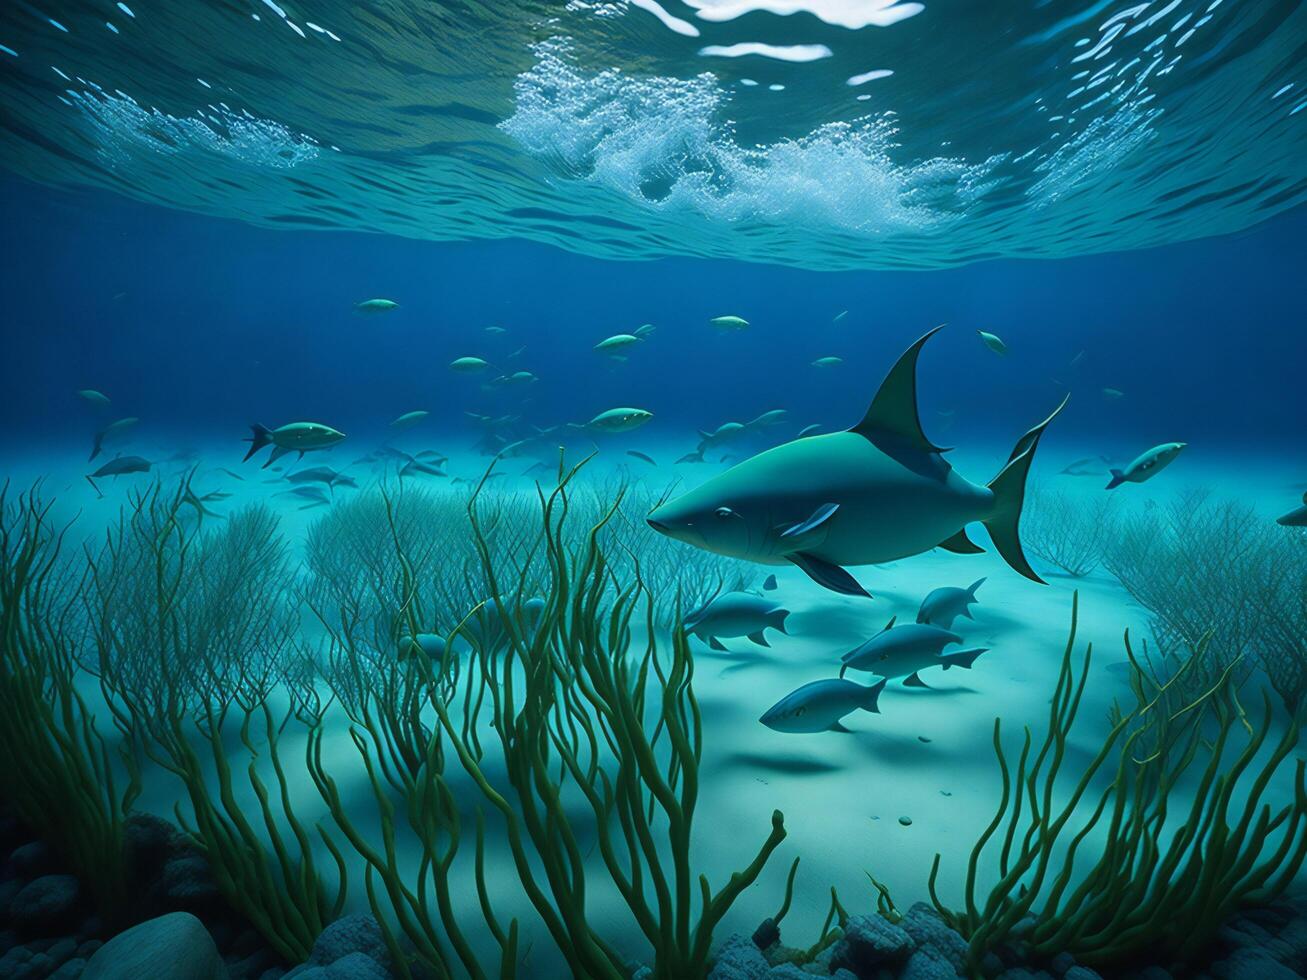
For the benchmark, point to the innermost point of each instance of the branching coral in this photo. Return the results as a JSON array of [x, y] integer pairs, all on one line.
[[1148, 881], [192, 632], [1067, 531], [57, 773], [1203, 567]]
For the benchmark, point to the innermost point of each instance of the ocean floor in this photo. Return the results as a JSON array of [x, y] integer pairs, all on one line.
[[917, 779]]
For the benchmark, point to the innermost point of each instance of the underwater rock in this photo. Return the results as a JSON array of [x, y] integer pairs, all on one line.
[[47, 904], [32, 860], [871, 942], [928, 929], [1081, 973], [1252, 963], [929, 963], [172, 947], [70, 970], [348, 935], [739, 959], [187, 883]]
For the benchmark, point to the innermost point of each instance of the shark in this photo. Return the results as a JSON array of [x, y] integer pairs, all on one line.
[[875, 493]]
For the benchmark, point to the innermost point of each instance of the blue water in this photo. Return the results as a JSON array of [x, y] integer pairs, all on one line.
[[200, 326]]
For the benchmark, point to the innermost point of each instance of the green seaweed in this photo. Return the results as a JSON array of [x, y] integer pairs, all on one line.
[[1153, 884], [58, 774], [192, 632]]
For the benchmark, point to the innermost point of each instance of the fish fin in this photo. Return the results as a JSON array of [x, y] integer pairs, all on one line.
[[826, 575], [914, 680], [715, 644], [98, 494], [769, 583], [1118, 478], [890, 624], [838, 727], [815, 520], [963, 658], [893, 411], [1031, 438], [759, 639], [1009, 489], [960, 544], [261, 437], [872, 703], [776, 620], [971, 589], [843, 668], [276, 454]]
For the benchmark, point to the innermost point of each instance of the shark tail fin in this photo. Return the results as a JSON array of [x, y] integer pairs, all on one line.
[[262, 435], [1118, 478], [1009, 489], [871, 696]]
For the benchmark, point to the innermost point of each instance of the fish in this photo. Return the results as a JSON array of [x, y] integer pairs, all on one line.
[[304, 492], [820, 706], [641, 456], [516, 378], [409, 419], [294, 437], [112, 432], [904, 651], [1296, 517], [876, 493], [197, 502], [828, 362], [428, 645], [618, 420], [496, 330], [468, 365], [775, 416], [1088, 466], [119, 466], [416, 466], [374, 306], [320, 474], [1146, 465], [1112, 394], [644, 330], [729, 322], [94, 397], [809, 430], [942, 606], [231, 473], [616, 342], [839, 316], [993, 342], [695, 457], [736, 614]]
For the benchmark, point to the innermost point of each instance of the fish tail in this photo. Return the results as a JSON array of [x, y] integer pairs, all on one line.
[[1118, 478], [963, 658], [871, 698], [262, 435], [1009, 489]]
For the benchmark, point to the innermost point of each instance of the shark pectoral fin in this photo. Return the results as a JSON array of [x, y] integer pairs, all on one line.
[[759, 639], [715, 644], [914, 680], [960, 544], [893, 411], [826, 575], [838, 727], [815, 520]]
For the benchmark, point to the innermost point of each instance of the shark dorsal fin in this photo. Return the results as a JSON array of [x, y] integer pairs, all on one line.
[[893, 412]]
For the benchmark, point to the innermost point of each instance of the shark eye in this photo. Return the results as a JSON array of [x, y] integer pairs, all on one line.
[[723, 512]]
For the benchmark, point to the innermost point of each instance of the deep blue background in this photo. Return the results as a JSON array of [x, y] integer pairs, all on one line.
[[216, 324]]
